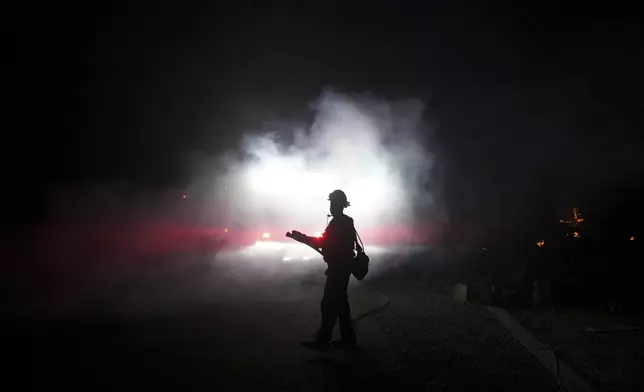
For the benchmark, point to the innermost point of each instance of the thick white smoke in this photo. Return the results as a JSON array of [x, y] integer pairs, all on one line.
[[375, 150], [106, 236]]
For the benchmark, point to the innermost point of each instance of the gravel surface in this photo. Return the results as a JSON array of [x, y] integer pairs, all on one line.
[[432, 343], [420, 341], [610, 361]]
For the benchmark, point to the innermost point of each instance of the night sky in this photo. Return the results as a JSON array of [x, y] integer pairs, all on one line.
[[535, 105]]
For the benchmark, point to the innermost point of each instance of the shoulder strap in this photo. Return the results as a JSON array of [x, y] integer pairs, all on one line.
[[361, 246]]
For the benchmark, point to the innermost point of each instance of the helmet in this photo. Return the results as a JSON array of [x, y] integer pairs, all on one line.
[[340, 197]]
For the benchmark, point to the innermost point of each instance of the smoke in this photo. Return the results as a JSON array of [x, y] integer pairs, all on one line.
[[117, 240], [373, 149]]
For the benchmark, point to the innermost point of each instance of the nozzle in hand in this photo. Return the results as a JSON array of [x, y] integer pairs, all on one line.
[[296, 235]]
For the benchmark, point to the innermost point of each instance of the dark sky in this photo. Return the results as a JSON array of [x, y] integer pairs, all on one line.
[[538, 105]]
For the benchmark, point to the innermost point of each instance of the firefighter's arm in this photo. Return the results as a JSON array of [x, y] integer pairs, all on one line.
[[316, 242], [313, 242]]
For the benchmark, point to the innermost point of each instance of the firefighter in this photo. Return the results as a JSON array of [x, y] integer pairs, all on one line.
[[337, 245]]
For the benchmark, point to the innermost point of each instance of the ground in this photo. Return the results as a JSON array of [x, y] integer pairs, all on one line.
[[611, 361], [216, 327]]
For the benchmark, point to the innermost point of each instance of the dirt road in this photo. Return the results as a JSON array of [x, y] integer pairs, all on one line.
[[420, 342]]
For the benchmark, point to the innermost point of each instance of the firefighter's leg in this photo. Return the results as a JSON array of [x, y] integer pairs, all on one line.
[[344, 314], [329, 308]]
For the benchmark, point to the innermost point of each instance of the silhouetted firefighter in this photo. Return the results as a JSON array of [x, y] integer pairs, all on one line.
[[337, 246]]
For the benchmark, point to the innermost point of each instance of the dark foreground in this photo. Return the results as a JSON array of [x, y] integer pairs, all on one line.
[[250, 341]]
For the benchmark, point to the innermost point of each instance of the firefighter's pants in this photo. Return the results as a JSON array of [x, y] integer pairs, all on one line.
[[335, 304]]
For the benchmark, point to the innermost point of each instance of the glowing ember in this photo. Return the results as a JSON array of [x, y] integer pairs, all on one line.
[[632, 238], [541, 243], [577, 219], [577, 216], [575, 234]]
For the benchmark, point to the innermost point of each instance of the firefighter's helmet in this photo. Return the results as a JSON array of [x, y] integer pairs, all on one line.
[[338, 195]]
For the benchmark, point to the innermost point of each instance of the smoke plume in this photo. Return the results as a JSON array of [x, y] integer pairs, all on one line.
[[373, 149]]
